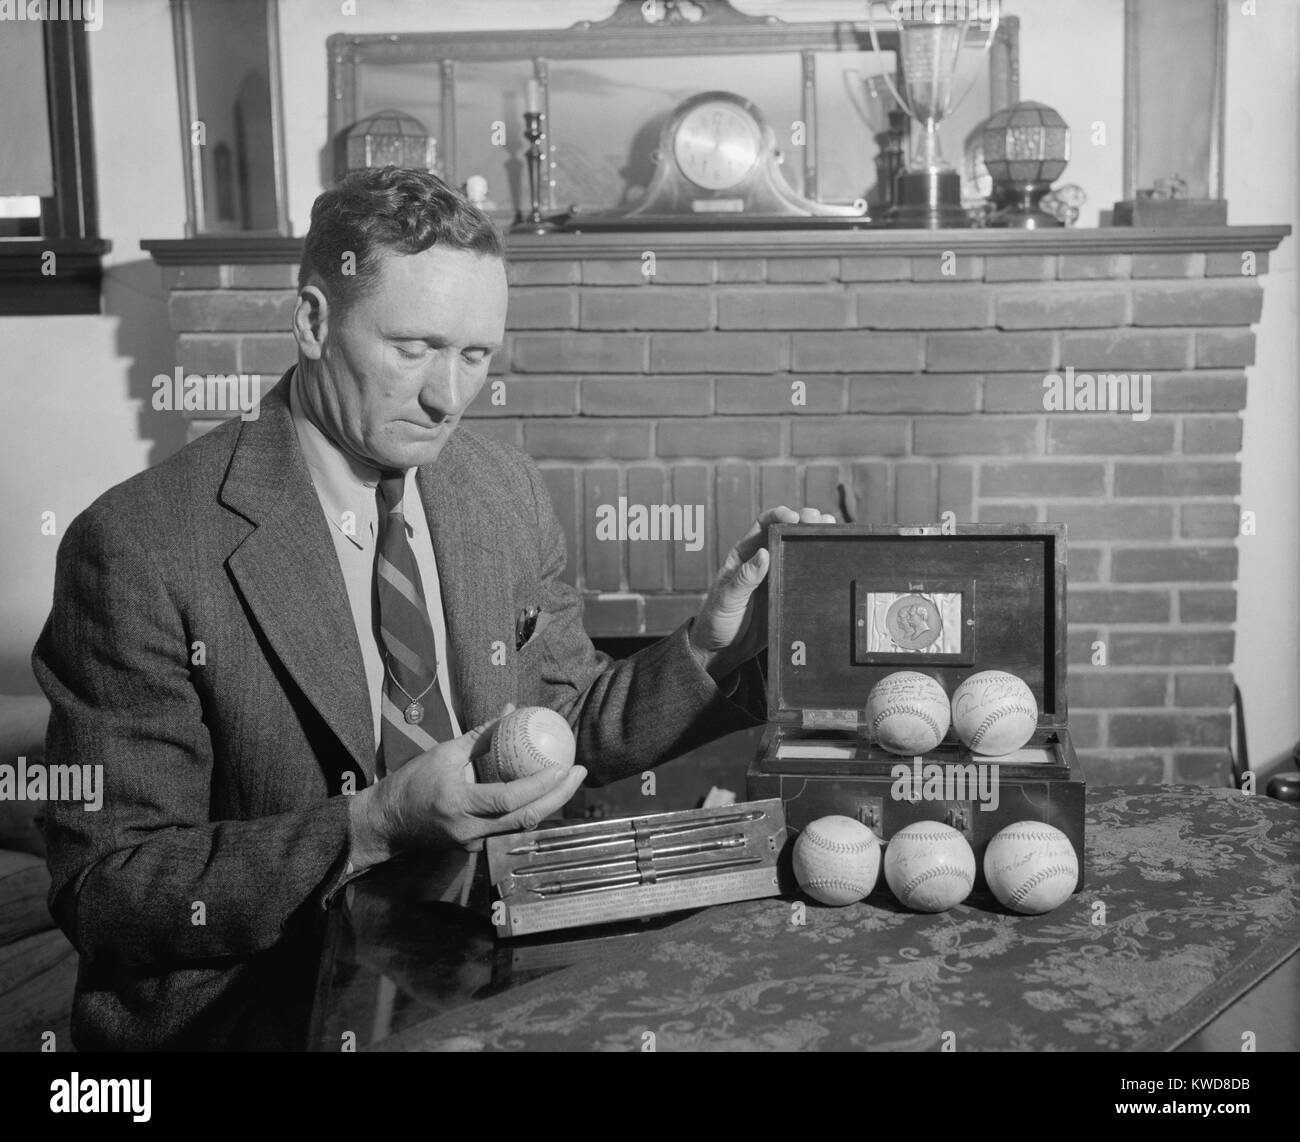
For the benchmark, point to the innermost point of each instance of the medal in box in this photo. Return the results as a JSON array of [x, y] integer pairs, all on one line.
[[852, 604]]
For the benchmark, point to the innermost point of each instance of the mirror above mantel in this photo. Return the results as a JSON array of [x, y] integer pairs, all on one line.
[[605, 90]]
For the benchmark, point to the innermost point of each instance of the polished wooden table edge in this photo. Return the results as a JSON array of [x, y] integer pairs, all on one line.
[[1271, 999]]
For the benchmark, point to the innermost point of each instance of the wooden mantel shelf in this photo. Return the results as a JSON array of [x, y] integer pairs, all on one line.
[[781, 244]]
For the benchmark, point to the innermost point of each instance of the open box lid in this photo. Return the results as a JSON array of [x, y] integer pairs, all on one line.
[[850, 603]]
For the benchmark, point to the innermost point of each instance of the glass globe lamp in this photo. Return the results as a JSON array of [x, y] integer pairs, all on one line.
[[391, 138], [1026, 147]]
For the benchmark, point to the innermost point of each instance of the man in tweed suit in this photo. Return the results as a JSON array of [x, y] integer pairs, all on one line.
[[222, 644]]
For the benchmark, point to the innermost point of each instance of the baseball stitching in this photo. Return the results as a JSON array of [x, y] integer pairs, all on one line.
[[916, 711], [530, 747], [839, 846], [537, 754], [1028, 836], [987, 723], [822, 882], [1041, 875], [929, 874]]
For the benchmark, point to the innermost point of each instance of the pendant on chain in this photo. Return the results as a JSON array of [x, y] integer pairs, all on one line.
[[414, 713]]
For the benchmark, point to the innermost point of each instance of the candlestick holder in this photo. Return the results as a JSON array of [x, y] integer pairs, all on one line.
[[534, 223]]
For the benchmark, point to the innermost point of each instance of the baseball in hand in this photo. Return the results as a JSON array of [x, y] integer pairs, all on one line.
[[1031, 867], [929, 866], [837, 860], [994, 713], [528, 740], [908, 713]]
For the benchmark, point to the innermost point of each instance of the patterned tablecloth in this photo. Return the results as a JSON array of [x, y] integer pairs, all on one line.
[[1191, 897]]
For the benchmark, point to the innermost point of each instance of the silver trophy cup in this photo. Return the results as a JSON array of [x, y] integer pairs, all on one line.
[[927, 195]]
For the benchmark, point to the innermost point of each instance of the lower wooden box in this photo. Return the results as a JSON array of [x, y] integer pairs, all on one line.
[[887, 792]]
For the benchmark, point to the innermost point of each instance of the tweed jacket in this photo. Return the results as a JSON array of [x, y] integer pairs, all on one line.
[[202, 650]]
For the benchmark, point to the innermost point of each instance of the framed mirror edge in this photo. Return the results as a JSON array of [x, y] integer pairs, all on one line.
[[619, 37], [196, 204]]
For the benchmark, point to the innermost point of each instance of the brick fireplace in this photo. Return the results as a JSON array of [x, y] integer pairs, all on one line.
[[883, 376]]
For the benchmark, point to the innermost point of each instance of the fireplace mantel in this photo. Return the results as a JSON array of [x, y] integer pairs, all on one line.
[[783, 244], [887, 377]]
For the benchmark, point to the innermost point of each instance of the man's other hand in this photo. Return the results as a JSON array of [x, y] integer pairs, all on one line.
[[433, 802], [732, 625]]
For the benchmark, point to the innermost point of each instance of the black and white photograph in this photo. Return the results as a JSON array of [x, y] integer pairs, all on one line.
[[760, 527]]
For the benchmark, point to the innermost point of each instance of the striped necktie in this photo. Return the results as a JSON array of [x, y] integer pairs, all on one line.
[[415, 716]]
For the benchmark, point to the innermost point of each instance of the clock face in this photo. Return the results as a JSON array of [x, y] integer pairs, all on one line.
[[717, 144]]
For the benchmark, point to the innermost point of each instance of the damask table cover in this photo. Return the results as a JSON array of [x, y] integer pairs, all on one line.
[[1191, 896]]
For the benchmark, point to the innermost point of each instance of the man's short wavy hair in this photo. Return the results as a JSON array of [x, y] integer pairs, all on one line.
[[384, 210]]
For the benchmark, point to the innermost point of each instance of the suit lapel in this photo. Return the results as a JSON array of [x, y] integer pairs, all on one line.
[[477, 594], [289, 574]]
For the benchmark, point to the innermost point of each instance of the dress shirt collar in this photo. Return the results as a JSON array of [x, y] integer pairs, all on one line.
[[344, 485]]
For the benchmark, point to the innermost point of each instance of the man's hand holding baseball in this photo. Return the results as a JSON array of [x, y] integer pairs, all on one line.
[[432, 802]]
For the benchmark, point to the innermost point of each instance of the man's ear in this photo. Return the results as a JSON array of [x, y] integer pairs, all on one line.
[[311, 322]]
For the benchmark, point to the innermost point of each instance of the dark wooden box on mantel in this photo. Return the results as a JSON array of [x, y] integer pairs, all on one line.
[[849, 604]]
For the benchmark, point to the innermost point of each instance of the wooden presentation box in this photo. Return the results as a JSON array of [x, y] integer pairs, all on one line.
[[849, 604]]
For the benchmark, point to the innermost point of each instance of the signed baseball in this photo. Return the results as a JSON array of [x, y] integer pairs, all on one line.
[[908, 713], [929, 866], [1031, 867], [994, 713], [528, 740], [837, 860]]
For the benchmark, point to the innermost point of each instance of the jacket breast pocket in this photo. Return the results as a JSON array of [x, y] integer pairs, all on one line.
[[530, 658], [534, 632]]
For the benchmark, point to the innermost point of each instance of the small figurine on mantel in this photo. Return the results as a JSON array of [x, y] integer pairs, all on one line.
[[1064, 202], [1166, 188], [476, 190]]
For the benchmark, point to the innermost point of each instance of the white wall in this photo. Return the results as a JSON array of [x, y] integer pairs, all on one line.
[[1262, 168], [77, 418], [77, 411]]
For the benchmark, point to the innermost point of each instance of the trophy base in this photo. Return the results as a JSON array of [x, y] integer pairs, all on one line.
[[928, 200]]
